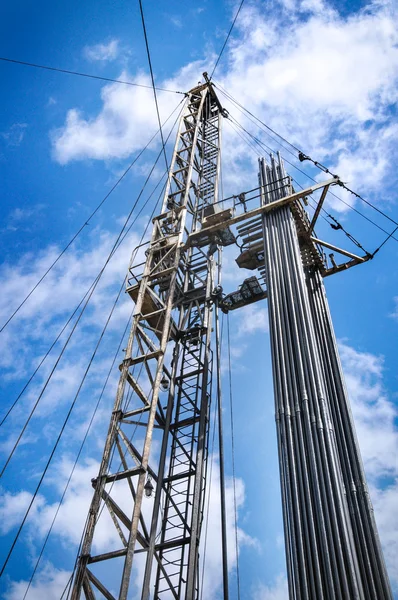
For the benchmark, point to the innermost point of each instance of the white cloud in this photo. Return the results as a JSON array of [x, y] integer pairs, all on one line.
[[49, 583], [72, 515], [125, 124], [176, 21], [23, 218], [385, 502], [374, 413], [213, 562], [102, 52], [30, 334], [339, 74], [325, 62], [375, 421], [70, 521], [71, 518], [13, 508], [19, 214], [66, 283], [394, 314], [276, 591], [14, 135], [336, 73], [252, 318]]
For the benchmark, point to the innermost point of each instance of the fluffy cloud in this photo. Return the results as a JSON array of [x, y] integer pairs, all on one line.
[[72, 515], [385, 502], [60, 292], [27, 338], [276, 591], [49, 583], [344, 66], [212, 531], [176, 21], [14, 135], [23, 219], [124, 125], [102, 52], [336, 73], [374, 413], [375, 420], [319, 74], [70, 522], [13, 508], [253, 318]]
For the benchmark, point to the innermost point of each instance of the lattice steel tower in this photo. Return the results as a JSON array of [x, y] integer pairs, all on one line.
[[166, 383]]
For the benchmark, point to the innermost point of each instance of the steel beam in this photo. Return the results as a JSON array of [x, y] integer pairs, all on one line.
[[170, 340], [277, 203]]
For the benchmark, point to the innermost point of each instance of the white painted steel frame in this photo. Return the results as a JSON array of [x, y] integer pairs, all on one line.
[[173, 311]]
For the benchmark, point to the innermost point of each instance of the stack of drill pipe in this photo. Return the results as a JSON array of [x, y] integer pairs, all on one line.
[[322, 557], [370, 557]]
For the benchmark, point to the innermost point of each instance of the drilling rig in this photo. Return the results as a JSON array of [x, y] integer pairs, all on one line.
[[157, 445]]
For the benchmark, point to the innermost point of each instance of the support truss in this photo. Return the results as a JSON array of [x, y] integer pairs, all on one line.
[[169, 346], [165, 386]]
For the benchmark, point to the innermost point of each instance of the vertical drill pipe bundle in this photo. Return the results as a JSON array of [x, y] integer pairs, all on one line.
[[332, 547], [367, 543]]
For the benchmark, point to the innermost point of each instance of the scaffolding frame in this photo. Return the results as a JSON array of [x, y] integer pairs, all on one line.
[[170, 343]]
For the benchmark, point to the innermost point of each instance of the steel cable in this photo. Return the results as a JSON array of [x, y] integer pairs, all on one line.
[[153, 81], [99, 275], [87, 221], [76, 459], [70, 581], [254, 149], [208, 503], [227, 38], [268, 148], [231, 414], [61, 432], [58, 70], [227, 95], [318, 165], [216, 418], [64, 425]]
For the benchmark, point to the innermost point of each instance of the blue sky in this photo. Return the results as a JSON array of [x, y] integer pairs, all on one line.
[[324, 75]]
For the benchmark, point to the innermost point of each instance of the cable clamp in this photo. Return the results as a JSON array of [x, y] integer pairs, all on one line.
[[217, 294], [335, 227], [302, 157]]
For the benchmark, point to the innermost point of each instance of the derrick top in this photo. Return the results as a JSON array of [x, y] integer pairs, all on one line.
[[201, 86]]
